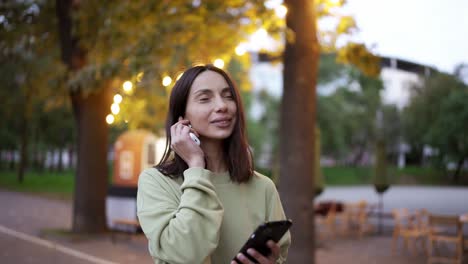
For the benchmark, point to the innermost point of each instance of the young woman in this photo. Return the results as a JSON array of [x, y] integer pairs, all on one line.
[[201, 202]]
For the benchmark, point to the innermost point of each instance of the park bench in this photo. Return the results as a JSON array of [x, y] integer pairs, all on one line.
[[125, 226]]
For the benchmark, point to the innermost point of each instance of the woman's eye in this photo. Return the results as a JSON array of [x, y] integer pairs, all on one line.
[[204, 99]]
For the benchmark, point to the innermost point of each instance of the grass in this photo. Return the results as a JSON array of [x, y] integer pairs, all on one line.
[[57, 185], [346, 175], [61, 185]]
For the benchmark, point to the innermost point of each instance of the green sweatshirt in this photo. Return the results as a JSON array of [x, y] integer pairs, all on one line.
[[205, 217]]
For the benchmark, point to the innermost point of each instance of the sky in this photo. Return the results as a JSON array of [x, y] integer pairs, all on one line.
[[429, 32]]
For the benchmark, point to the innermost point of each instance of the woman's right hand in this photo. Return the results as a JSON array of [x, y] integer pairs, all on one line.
[[184, 146]]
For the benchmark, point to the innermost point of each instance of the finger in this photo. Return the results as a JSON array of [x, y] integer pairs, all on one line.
[[177, 130], [181, 120], [243, 259], [259, 257], [193, 131], [185, 129], [275, 249]]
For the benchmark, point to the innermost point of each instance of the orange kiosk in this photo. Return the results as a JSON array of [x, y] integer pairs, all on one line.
[[133, 152]]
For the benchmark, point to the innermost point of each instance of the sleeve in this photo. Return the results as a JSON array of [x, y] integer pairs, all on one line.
[[179, 231], [276, 213]]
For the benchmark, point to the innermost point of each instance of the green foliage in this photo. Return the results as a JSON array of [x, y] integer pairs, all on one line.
[[450, 130], [436, 116], [138, 41], [159, 38], [380, 166], [263, 132], [31, 75], [391, 128], [347, 116]]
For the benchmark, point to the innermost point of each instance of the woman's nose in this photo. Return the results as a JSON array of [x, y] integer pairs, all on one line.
[[220, 105]]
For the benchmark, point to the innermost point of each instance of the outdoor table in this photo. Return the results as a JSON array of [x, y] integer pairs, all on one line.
[[464, 218]]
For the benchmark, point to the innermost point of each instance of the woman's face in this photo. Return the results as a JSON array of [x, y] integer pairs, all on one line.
[[211, 107]]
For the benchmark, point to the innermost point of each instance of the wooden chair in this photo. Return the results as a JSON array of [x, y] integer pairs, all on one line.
[[464, 221], [412, 228], [445, 230], [356, 219], [326, 225]]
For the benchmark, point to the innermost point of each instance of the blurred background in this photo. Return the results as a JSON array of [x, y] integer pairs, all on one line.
[[85, 88]]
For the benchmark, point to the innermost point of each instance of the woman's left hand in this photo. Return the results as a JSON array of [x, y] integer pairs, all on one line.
[[271, 259]]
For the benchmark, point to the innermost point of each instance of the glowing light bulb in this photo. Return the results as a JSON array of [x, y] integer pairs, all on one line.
[[115, 109], [240, 50], [110, 119], [117, 98], [219, 63], [167, 81], [127, 86], [281, 11]]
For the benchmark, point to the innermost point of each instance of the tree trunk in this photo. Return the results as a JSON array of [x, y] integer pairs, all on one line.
[[35, 149], [23, 148], [298, 127], [12, 159], [91, 173], [71, 161], [60, 160], [2, 160], [360, 153], [456, 174], [41, 156], [90, 112]]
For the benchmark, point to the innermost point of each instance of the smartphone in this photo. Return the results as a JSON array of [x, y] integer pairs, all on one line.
[[194, 138], [274, 230]]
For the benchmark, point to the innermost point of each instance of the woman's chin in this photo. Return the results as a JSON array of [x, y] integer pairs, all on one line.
[[217, 136]]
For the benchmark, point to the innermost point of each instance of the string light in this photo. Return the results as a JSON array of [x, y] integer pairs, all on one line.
[[127, 86], [240, 50], [115, 109], [110, 119], [166, 81], [117, 98], [219, 63]]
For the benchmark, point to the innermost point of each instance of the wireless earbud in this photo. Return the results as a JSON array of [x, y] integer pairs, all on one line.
[[193, 137]]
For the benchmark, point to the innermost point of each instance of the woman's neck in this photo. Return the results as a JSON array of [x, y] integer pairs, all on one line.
[[214, 154]]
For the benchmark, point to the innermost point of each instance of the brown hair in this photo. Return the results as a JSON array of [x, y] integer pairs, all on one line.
[[237, 154]]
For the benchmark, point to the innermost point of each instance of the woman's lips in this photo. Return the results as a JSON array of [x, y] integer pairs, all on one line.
[[222, 123]]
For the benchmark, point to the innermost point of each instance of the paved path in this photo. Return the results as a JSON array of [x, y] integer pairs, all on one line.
[[369, 250], [443, 200], [39, 254], [31, 215]]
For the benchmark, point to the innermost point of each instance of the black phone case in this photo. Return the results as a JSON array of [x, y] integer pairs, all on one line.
[[267, 231]]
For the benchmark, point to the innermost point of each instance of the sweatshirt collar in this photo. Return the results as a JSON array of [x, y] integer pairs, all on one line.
[[220, 177]]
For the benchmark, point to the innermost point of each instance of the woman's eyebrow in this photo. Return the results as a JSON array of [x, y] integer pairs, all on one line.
[[202, 91], [208, 91]]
